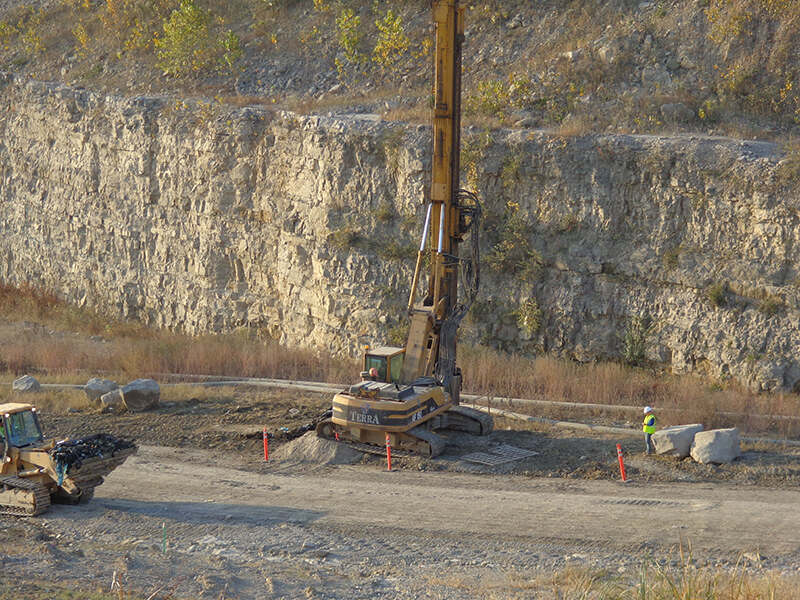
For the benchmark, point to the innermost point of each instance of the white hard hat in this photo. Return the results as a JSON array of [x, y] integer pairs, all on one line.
[[648, 409]]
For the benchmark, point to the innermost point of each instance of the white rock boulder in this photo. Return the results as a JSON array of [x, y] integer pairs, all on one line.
[[95, 387], [25, 384], [141, 394], [677, 440], [717, 446], [112, 398]]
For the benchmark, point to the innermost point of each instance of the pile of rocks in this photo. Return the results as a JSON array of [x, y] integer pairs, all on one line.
[[138, 395], [717, 446]]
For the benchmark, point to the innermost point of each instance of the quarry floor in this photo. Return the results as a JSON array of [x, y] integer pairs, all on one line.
[[320, 521]]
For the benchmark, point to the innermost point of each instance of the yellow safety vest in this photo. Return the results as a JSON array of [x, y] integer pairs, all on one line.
[[649, 425]]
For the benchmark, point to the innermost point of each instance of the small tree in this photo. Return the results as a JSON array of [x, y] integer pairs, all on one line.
[[392, 42], [349, 24]]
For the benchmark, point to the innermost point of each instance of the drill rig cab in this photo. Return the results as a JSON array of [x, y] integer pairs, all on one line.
[[387, 362], [417, 388]]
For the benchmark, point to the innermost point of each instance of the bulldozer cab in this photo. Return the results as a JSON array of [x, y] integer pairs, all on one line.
[[387, 360], [20, 426]]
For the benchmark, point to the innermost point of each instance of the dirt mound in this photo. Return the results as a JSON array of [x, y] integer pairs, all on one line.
[[313, 449]]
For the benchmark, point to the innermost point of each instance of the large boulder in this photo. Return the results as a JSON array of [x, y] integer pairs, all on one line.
[[141, 394], [716, 446], [677, 440], [25, 384], [95, 387]]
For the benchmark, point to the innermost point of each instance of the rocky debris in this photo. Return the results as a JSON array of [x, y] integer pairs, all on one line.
[[677, 112], [95, 388], [141, 394], [26, 384], [656, 77], [718, 446], [313, 449], [677, 440]]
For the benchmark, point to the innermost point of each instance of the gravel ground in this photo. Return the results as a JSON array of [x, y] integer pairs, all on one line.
[[319, 521]]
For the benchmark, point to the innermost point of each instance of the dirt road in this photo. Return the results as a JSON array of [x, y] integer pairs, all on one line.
[[567, 515], [355, 531]]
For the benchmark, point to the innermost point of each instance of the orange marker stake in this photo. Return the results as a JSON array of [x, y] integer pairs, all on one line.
[[266, 446], [621, 463], [388, 453]]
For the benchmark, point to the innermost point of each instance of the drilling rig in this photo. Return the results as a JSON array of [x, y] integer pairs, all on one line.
[[406, 394]]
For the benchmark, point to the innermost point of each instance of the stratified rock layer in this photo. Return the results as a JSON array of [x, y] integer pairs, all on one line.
[[190, 217]]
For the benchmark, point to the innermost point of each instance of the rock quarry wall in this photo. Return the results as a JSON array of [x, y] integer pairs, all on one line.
[[303, 228]]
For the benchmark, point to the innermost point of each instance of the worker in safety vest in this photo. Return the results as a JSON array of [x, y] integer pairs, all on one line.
[[649, 428]]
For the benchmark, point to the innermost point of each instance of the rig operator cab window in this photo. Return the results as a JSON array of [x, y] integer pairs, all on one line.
[[387, 360]]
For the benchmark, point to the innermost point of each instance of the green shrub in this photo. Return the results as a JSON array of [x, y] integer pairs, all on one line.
[[495, 97], [529, 316], [716, 294], [385, 212], [514, 252], [671, 258], [491, 98], [398, 335], [394, 250], [512, 165], [789, 167], [769, 306], [392, 44], [7, 31], [345, 238], [28, 30], [187, 45], [349, 24], [81, 40], [135, 22], [473, 148], [634, 340], [758, 73]]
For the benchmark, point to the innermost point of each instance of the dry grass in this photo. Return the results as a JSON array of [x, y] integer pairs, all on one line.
[[666, 580], [678, 399], [55, 401]]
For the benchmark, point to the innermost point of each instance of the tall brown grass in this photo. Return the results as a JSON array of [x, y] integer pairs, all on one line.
[[677, 399]]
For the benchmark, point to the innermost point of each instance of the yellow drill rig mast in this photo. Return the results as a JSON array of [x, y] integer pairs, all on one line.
[[409, 392]]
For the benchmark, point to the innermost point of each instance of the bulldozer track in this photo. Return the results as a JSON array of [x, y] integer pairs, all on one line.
[[40, 499]]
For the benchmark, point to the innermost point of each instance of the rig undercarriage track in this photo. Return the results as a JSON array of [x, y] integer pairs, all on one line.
[[415, 442], [419, 441]]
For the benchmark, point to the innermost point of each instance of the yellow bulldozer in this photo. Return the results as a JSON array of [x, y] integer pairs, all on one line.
[[408, 393], [35, 471]]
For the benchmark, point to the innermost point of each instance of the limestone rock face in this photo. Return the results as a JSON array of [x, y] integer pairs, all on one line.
[[95, 387], [717, 446], [25, 384], [676, 440], [141, 394], [304, 228]]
